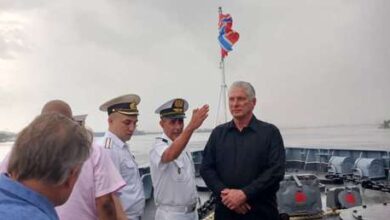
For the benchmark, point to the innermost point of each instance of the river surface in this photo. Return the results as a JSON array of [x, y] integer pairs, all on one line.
[[368, 137]]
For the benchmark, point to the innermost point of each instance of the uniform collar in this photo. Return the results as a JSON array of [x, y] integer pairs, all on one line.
[[24, 193], [114, 139], [163, 136]]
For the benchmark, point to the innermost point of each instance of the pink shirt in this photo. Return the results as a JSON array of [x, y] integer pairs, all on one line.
[[98, 177]]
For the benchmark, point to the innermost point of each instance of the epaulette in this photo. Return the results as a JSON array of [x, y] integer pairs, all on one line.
[[163, 140], [108, 143]]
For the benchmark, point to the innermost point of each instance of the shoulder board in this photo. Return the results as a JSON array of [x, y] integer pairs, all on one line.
[[108, 143], [163, 139]]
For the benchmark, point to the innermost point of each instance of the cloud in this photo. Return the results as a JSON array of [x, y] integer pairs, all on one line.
[[22, 5], [12, 39], [311, 62]]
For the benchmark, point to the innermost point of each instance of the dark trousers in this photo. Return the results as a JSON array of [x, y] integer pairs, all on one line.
[[260, 213]]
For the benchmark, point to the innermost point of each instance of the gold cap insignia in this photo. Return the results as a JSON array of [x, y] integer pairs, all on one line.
[[178, 105], [133, 106]]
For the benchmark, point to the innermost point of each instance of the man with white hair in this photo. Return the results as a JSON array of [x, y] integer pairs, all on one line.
[[244, 161]]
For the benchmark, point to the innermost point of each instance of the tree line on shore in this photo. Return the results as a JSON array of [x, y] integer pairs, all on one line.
[[7, 136]]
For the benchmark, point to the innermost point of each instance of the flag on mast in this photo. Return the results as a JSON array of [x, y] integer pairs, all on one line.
[[227, 37]]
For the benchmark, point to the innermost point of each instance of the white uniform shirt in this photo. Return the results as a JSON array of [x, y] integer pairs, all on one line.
[[173, 182], [132, 195]]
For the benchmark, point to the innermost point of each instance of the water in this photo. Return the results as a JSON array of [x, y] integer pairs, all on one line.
[[361, 137], [140, 145]]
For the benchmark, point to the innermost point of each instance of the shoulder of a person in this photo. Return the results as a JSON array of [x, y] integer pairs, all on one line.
[[99, 151], [30, 212], [266, 126], [98, 142], [159, 146], [221, 127], [106, 143], [161, 140]]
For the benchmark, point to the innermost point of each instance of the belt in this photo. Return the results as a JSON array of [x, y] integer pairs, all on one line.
[[182, 209]]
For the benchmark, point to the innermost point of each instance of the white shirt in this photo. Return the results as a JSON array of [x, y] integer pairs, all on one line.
[[173, 182], [132, 195]]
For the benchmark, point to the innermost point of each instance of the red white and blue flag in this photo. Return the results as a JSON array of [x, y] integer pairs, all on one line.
[[227, 37]]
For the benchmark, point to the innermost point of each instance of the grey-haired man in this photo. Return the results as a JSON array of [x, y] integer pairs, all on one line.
[[171, 164], [243, 161], [44, 165]]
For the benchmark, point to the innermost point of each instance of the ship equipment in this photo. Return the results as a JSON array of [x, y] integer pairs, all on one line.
[[343, 197], [299, 195]]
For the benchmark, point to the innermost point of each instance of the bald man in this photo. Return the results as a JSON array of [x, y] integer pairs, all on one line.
[[93, 196], [57, 106]]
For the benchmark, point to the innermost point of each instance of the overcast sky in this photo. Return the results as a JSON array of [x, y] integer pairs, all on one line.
[[312, 62]]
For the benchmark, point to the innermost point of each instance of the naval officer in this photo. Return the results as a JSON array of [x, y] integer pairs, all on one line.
[[122, 121], [171, 165]]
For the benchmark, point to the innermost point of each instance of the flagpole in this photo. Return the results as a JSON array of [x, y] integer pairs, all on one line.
[[222, 92]]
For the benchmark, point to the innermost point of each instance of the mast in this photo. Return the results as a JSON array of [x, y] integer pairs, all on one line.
[[222, 92]]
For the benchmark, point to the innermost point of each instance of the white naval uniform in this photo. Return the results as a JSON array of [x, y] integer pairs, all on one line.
[[175, 192], [132, 195]]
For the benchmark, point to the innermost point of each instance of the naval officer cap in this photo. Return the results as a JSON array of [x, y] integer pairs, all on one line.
[[80, 119], [125, 104], [173, 109]]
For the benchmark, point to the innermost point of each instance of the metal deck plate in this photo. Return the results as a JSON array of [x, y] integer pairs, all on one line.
[[374, 212]]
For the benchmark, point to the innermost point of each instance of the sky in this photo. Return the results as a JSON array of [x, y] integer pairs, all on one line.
[[311, 62]]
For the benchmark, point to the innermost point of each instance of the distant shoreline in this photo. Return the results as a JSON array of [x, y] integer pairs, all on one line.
[[206, 130], [6, 136]]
